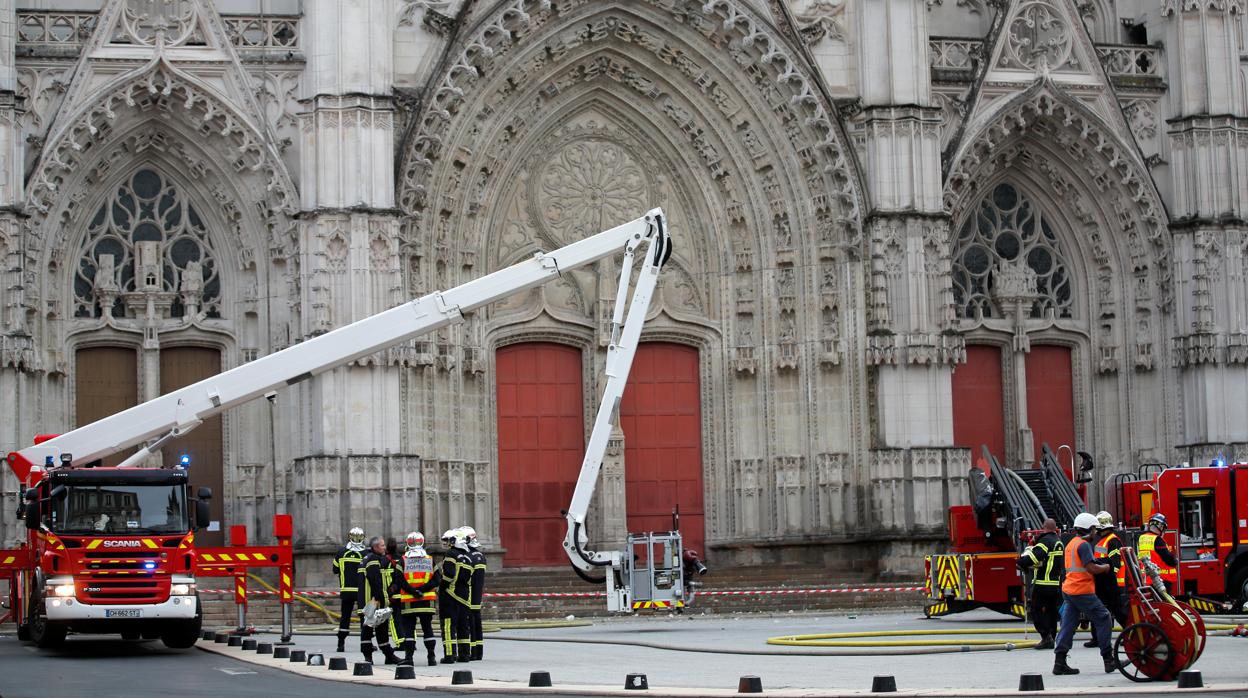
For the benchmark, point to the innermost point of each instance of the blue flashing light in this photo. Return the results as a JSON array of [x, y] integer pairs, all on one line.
[[149, 565], [184, 461], [1219, 462]]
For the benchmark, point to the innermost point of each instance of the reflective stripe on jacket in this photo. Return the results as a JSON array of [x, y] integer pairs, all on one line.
[[1079, 580], [1113, 553]]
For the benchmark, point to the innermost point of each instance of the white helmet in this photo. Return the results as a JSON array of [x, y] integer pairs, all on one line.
[[448, 539], [415, 539], [470, 535], [1104, 519], [1085, 521], [356, 535]]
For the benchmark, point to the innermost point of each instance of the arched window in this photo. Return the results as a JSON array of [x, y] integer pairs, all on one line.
[[146, 241], [1007, 229]]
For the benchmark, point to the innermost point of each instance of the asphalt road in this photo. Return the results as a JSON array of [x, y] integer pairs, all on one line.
[[103, 667]]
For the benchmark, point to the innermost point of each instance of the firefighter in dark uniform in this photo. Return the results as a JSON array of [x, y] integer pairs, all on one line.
[[415, 599], [454, 598], [376, 577], [1108, 549], [1044, 559], [477, 593], [346, 569]]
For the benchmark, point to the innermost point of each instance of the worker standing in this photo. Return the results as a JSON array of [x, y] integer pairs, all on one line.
[[1108, 549], [376, 573], [477, 593], [1079, 594], [1044, 559], [346, 568], [1152, 546], [416, 598], [451, 609]]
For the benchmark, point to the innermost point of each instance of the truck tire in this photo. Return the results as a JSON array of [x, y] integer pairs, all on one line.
[[46, 634], [182, 635], [1238, 591], [23, 632]]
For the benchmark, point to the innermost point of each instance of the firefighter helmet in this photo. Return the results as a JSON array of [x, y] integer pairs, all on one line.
[[415, 539], [448, 539], [470, 536], [1085, 521], [356, 535], [1158, 520], [1105, 520]]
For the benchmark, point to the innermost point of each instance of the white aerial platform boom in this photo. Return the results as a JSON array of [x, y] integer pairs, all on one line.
[[174, 414]]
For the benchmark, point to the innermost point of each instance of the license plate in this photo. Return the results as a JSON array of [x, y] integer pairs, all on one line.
[[123, 613]]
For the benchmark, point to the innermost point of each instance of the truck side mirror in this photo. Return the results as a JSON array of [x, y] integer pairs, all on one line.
[[204, 493], [202, 513], [32, 509]]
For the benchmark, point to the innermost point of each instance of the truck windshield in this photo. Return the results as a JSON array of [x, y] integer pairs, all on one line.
[[120, 509]]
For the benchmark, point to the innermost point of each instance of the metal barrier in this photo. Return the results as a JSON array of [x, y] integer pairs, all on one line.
[[239, 559]]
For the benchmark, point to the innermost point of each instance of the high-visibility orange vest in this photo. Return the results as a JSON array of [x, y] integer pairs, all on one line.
[[417, 570], [1078, 580], [1102, 551], [1148, 551]]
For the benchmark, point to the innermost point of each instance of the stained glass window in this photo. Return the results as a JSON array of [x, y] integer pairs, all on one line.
[[1006, 226], [147, 208]]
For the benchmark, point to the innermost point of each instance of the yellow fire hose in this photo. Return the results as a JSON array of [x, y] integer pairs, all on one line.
[[331, 616], [859, 639]]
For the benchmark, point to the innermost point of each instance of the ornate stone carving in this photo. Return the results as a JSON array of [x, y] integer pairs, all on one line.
[[167, 22], [1038, 37], [586, 186], [819, 19]]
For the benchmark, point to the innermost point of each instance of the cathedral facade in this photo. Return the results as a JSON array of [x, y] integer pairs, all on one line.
[[904, 229]]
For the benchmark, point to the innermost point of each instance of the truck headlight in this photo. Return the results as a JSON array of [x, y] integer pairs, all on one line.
[[181, 589], [63, 590]]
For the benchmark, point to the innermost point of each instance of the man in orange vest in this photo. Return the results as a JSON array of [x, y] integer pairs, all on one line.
[[1079, 592], [1153, 547], [1107, 547], [415, 599]]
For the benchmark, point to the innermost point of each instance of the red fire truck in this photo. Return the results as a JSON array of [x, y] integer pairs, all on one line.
[[1207, 511], [111, 549]]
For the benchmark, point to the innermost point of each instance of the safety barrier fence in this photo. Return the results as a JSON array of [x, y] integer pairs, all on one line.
[[592, 594]]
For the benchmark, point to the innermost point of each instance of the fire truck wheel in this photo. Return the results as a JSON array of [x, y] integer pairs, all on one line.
[[180, 636], [1239, 588], [46, 634], [23, 633]]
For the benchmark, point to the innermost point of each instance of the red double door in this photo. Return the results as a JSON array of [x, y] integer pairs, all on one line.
[[541, 442], [979, 399]]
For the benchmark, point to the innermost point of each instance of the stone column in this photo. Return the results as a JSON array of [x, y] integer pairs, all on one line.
[[16, 344], [910, 345], [1208, 134], [350, 418]]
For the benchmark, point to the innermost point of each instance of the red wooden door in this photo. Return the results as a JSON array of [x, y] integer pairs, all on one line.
[[1050, 397], [541, 442], [978, 403], [661, 416]]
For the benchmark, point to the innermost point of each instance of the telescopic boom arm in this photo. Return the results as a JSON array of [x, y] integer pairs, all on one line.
[[182, 410]]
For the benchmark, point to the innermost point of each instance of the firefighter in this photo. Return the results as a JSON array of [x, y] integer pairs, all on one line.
[[346, 568], [476, 594], [415, 599], [1079, 594], [376, 577], [1108, 549], [1044, 559], [1152, 546], [454, 598]]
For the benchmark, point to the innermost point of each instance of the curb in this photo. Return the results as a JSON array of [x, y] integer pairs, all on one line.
[[443, 683]]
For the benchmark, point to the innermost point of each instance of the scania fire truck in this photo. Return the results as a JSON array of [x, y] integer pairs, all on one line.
[[111, 549]]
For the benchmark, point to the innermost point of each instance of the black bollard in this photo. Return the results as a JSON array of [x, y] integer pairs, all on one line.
[[883, 684], [281, 653], [363, 669], [1190, 679], [338, 663], [750, 684], [264, 648], [235, 641], [208, 635], [249, 644], [298, 655], [316, 659], [636, 682], [404, 671], [462, 677], [1031, 682], [220, 638], [539, 679]]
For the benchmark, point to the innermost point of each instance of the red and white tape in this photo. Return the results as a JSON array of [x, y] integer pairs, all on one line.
[[591, 594]]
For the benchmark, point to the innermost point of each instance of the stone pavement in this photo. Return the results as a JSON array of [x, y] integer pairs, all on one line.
[[706, 655]]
